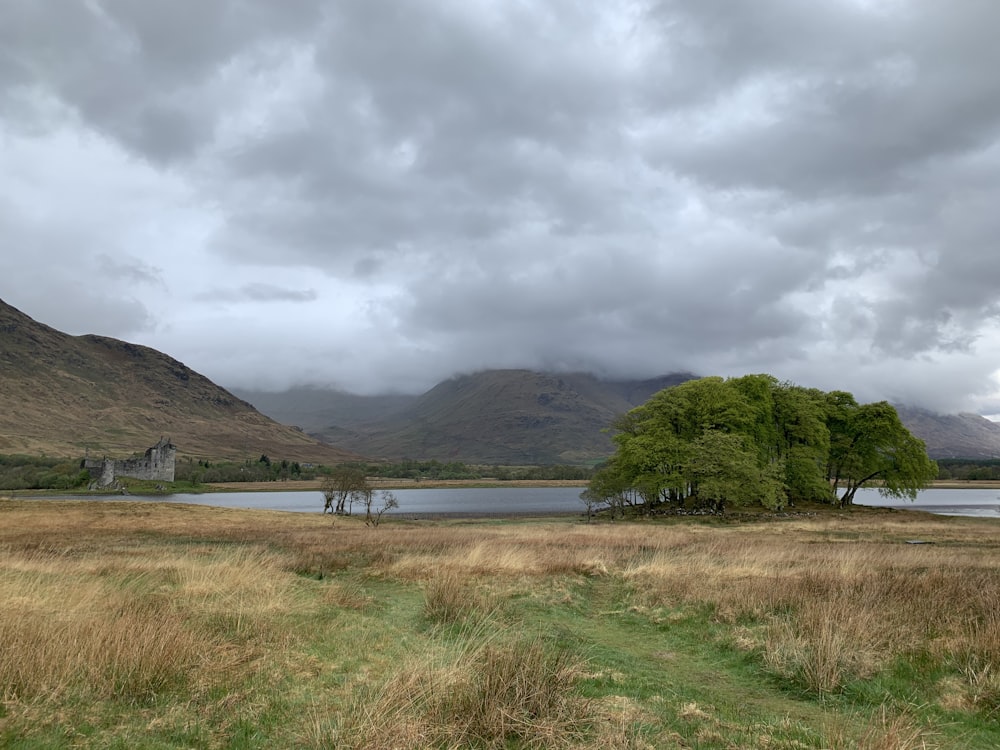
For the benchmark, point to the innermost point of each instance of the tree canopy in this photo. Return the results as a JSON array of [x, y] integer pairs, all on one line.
[[755, 440]]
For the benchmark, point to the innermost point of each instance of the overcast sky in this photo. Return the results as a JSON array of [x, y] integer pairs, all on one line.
[[378, 195]]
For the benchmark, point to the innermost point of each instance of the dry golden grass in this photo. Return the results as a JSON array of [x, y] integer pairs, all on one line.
[[70, 628], [133, 602], [93, 610], [496, 690], [890, 731]]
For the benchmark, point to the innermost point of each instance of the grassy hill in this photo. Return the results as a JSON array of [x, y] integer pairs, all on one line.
[[66, 395]]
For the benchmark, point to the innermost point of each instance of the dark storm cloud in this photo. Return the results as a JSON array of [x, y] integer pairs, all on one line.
[[625, 187]]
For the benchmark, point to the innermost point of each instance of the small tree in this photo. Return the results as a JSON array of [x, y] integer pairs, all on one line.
[[388, 503], [592, 501], [345, 484]]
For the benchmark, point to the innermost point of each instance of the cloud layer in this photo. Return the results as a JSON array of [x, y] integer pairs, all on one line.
[[378, 195]]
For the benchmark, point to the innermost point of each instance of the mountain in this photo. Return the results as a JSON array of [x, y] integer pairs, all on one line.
[[953, 435], [524, 417], [497, 416], [68, 395], [313, 409]]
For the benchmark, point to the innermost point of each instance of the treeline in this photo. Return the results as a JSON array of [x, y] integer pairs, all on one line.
[[437, 471], [966, 469], [42, 473], [753, 440], [263, 469]]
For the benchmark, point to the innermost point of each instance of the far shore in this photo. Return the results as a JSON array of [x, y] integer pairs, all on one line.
[[393, 484], [965, 484], [410, 484], [316, 485]]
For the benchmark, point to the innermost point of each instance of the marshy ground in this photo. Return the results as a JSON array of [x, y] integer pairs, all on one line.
[[136, 624]]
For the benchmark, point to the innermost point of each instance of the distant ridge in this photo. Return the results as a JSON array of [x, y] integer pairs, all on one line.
[[526, 417], [497, 416], [68, 395], [953, 435]]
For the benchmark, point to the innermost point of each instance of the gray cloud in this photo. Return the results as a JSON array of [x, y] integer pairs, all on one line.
[[419, 189], [258, 292], [128, 270]]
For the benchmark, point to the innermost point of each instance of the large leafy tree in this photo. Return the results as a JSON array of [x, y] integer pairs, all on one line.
[[724, 469], [869, 444], [756, 440], [803, 441]]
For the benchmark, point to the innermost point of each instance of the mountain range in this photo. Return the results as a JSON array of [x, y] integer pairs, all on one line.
[[68, 395], [524, 417], [495, 417], [65, 395]]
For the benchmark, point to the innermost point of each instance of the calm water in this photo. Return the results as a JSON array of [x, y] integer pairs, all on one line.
[[526, 500], [983, 503], [483, 501]]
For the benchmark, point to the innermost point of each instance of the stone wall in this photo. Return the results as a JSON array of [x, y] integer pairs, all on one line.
[[156, 464]]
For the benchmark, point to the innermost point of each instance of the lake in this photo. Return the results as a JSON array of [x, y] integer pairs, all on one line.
[[487, 501], [475, 501]]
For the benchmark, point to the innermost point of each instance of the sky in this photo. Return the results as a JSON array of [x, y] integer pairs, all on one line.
[[376, 196]]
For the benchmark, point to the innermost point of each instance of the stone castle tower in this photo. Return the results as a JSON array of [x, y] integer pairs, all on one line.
[[156, 464]]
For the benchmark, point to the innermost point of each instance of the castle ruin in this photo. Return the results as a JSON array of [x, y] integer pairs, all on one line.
[[156, 464]]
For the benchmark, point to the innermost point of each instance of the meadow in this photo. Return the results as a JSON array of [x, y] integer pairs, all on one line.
[[145, 625]]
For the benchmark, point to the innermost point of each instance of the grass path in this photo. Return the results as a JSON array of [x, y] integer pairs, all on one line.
[[692, 688]]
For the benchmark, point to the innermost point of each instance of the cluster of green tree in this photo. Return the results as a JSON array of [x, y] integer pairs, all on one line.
[[968, 469], [419, 470], [754, 440], [41, 473], [436, 471], [263, 469], [556, 472]]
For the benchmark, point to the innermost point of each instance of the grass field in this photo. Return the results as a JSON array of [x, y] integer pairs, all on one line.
[[138, 625]]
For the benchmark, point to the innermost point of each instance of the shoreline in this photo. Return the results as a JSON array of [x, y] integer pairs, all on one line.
[[315, 485]]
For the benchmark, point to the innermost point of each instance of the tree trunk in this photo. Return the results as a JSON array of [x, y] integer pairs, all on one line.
[[848, 497]]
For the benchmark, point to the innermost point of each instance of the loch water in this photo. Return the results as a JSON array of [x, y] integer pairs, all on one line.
[[490, 501]]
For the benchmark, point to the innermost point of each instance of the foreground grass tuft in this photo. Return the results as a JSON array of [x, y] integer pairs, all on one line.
[[488, 694]]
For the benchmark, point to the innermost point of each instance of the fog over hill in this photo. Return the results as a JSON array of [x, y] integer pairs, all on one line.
[[521, 416], [496, 416], [378, 196], [67, 395]]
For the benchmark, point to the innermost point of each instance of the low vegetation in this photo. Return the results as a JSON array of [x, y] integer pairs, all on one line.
[[128, 624], [969, 470], [47, 473], [41, 473]]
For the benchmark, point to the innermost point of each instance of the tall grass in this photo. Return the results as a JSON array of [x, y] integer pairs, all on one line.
[[450, 598], [822, 614], [130, 630], [490, 692]]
